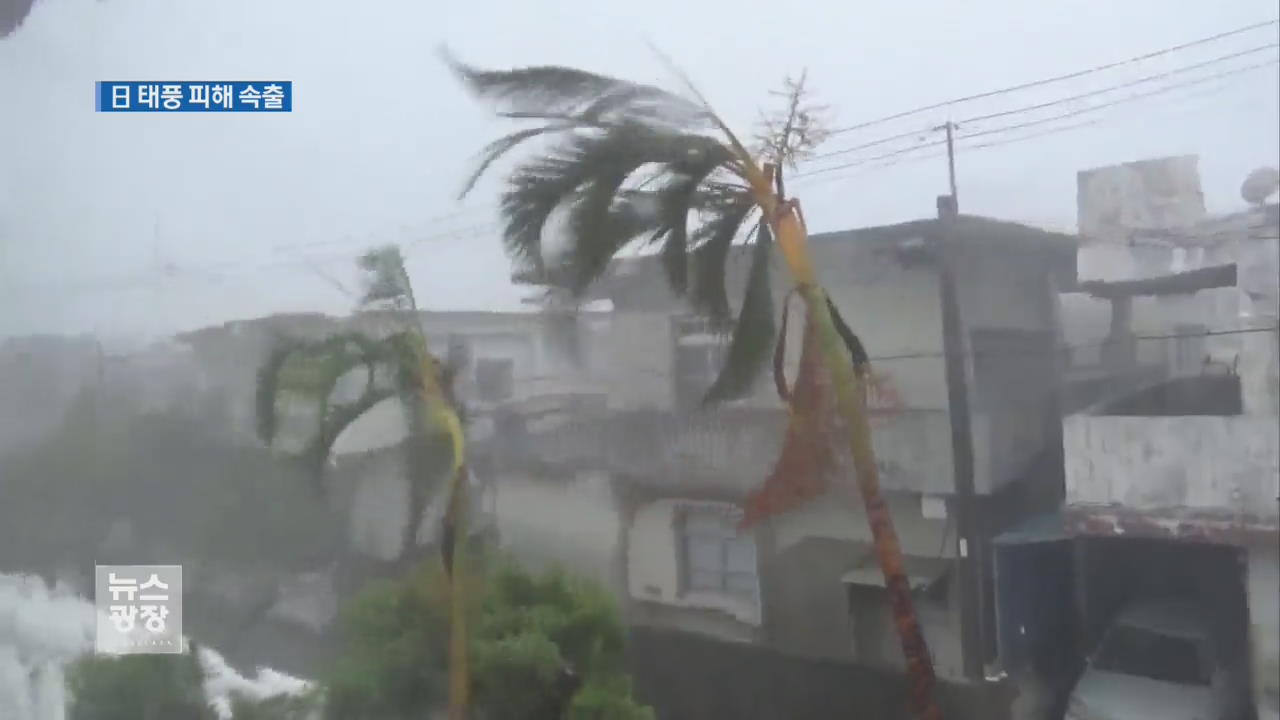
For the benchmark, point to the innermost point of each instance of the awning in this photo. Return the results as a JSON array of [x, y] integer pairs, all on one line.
[[922, 572], [1047, 527]]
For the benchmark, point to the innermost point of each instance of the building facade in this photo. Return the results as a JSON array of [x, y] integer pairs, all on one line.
[[806, 583], [1171, 450]]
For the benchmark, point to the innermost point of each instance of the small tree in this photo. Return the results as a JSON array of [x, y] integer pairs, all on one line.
[[138, 687], [544, 647], [400, 366], [166, 687]]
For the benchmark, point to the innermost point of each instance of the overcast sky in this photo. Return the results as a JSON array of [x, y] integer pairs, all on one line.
[[138, 224]]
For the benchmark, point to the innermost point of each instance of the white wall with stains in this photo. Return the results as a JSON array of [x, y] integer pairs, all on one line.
[[1222, 464]]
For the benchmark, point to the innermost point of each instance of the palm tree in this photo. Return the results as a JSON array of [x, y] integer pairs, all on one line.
[[632, 163], [12, 13], [310, 374]]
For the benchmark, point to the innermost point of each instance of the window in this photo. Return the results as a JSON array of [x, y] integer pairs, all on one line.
[[716, 558], [1142, 653], [699, 353], [494, 379]]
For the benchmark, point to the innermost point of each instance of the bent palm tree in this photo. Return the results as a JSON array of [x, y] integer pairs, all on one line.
[[311, 374], [633, 162], [12, 13]]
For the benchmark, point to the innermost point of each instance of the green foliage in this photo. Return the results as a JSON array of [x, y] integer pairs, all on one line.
[[541, 644], [396, 634], [749, 346], [386, 281], [311, 372], [608, 698], [165, 687], [627, 160], [137, 687]]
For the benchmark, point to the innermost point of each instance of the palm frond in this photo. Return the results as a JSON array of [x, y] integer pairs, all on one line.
[[675, 201], [712, 242], [587, 172], [754, 329], [808, 458], [267, 388], [552, 89], [856, 351], [595, 233], [502, 146], [335, 420], [310, 372]]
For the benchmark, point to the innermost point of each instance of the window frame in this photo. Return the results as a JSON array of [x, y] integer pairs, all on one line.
[[726, 538], [508, 382]]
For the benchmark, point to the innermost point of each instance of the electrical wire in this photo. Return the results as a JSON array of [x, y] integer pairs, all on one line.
[[1039, 121], [1051, 103], [1121, 86], [1056, 78], [310, 263]]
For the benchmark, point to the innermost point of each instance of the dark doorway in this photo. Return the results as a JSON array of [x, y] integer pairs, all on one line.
[[1114, 573], [1035, 609]]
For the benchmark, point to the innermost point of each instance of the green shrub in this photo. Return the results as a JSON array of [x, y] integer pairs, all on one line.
[[137, 687], [543, 646]]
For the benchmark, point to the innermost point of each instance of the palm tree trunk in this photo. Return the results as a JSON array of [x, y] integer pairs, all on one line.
[[459, 682], [792, 239]]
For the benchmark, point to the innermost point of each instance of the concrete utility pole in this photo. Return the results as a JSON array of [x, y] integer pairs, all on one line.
[[969, 556]]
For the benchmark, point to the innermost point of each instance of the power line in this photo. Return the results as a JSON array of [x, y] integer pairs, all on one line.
[[1051, 103], [1120, 86], [1130, 98], [921, 134], [935, 354], [1054, 79], [212, 271], [434, 220], [1040, 121], [454, 234], [994, 143]]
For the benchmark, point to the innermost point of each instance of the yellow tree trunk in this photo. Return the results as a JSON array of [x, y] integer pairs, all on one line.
[[792, 239]]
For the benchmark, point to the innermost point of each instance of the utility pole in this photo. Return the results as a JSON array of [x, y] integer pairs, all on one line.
[[969, 553]]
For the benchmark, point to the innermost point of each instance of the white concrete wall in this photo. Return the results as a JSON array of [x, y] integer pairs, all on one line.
[[895, 313], [573, 522], [840, 516], [1228, 464], [893, 310], [380, 509], [1264, 627], [653, 565], [636, 360]]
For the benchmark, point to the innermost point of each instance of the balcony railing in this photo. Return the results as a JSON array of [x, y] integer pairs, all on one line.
[[730, 450]]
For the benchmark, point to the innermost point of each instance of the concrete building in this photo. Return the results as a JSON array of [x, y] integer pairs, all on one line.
[[1172, 458], [508, 359], [806, 583]]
